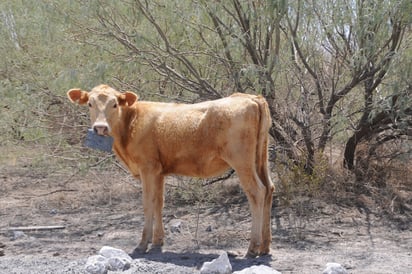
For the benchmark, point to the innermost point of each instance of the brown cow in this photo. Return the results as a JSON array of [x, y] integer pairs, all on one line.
[[200, 140]]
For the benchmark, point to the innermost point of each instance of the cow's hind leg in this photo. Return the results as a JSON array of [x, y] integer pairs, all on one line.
[[267, 224], [255, 192]]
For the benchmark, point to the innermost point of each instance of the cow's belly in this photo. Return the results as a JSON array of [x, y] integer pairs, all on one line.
[[201, 167]]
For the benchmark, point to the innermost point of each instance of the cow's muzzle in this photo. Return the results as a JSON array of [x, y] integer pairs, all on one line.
[[101, 130]]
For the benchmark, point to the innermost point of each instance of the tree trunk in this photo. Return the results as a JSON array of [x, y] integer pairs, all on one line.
[[366, 129], [349, 155]]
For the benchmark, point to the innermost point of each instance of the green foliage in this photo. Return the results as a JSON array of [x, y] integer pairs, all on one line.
[[40, 62], [311, 60]]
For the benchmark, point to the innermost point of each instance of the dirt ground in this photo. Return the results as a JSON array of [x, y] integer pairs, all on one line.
[[102, 206]]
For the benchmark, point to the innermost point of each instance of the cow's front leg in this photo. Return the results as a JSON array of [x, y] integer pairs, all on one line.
[[153, 186]]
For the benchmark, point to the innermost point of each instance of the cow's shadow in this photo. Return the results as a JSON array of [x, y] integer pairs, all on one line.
[[196, 259]]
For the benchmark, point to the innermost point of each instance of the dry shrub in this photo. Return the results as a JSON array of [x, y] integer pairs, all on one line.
[[294, 181], [76, 179], [68, 121], [380, 183], [86, 190], [190, 191], [378, 162], [110, 188], [383, 173]]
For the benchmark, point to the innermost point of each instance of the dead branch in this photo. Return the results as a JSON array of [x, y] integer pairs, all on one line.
[[221, 178], [31, 228]]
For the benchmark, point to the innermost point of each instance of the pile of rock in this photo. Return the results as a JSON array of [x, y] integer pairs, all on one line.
[[113, 259], [109, 258]]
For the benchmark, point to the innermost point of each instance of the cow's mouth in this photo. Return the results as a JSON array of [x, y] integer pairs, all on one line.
[[101, 130]]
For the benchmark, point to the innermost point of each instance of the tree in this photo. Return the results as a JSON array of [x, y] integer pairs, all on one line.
[[320, 65], [204, 50], [358, 43]]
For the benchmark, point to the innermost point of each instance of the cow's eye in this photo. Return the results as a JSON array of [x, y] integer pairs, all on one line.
[[115, 105], [90, 104]]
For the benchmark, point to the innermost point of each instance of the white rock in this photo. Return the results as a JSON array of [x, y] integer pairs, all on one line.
[[221, 265], [110, 252], [257, 269], [117, 258], [117, 263], [18, 235], [334, 268], [97, 264], [175, 225]]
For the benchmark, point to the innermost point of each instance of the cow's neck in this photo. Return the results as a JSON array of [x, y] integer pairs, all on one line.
[[122, 128]]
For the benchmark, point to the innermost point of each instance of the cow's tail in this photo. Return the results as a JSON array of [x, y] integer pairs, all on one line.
[[265, 122]]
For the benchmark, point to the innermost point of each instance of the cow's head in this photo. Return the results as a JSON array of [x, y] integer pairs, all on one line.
[[105, 104]]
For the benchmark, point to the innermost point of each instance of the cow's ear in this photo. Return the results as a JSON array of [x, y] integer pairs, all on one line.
[[127, 98], [78, 96]]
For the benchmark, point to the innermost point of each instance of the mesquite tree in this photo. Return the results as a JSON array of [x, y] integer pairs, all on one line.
[[344, 52], [320, 64]]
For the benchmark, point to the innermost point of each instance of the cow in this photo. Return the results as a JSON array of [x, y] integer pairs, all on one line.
[[202, 140]]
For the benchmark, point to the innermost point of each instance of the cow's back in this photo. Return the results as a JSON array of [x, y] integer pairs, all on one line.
[[193, 139]]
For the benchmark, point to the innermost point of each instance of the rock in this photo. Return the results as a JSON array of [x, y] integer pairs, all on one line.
[[109, 258], [97, 264], [175, 226], [17, 234], [257, 269], [334, 268], [118, 264], [221, 265], [110, 252], [117, 259]]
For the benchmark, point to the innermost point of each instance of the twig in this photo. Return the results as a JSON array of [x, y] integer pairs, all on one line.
[[121, 167], [197, 226], [111, 155], [45, 194], [222, 178], [56, 191], [30, 228]]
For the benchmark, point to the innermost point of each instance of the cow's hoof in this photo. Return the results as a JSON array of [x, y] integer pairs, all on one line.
[[251, 254], [156, 248], [264, 251], [254, 250], [157, 242], [139, 250]]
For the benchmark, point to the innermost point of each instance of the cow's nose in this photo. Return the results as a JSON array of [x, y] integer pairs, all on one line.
[[101, 130]]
